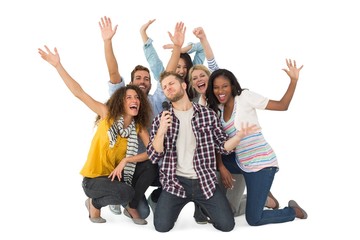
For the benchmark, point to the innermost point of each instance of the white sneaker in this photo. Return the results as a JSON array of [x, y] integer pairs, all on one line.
[[115, 209]]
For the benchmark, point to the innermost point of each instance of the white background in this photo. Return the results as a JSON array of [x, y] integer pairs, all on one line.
[[46, 132]]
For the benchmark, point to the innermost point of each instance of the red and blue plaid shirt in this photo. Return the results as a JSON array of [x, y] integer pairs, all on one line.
[[210, 138]]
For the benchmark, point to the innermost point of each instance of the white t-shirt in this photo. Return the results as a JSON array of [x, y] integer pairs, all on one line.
[[246, 105], [185, 145]]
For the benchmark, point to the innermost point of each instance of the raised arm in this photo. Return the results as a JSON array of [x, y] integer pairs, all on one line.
[[199, 56], [183, 49], [54, 59], [293, 73], [200, 33], [156, 65], [107, 33], [143, 30], [178, 40]]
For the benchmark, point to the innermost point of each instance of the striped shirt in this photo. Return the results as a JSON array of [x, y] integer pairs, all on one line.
[[254, 152], [210, 138]]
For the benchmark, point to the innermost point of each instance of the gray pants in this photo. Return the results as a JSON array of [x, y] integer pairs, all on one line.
[[105, 192], [235, 196]]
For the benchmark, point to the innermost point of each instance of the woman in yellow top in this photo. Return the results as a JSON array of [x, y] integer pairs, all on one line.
[[113, 152]]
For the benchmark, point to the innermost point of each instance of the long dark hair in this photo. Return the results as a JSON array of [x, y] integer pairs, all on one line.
[[236, 90], [189, 90]]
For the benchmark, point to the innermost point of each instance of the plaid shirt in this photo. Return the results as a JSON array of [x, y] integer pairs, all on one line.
[[210, 138]]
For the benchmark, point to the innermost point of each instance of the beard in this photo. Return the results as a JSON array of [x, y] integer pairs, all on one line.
[[176, 97]]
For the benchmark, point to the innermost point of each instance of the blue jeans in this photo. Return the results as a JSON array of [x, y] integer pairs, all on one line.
[[105, 192], [230, 163], [217, 207], [198, 213], [258, 185]]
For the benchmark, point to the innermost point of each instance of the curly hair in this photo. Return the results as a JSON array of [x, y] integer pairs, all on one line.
[[116, 106]]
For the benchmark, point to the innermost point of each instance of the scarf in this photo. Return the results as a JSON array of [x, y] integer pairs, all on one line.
[[132, 145]]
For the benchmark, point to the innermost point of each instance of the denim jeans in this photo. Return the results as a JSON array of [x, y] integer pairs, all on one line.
[[217, 207], [258, 185], [230, 163], [105, 192], [155, 194]]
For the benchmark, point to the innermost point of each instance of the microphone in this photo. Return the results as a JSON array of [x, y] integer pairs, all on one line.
[[165, 106]]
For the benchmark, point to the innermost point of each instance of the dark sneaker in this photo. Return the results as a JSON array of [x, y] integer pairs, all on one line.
[[152, 204], [199, 216]]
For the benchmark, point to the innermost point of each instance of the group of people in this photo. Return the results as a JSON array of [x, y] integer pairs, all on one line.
[[191, 149]]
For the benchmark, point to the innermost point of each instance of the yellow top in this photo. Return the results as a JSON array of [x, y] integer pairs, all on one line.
[[102, 159]]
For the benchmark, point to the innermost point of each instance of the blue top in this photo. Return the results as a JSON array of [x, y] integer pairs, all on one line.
[[156, 65]]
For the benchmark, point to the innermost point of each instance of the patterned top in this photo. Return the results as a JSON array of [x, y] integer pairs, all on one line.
[[254, 152], [210, 138]]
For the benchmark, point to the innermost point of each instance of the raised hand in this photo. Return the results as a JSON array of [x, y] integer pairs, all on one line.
[[143, 30], [144, 27], [179, 34], [107, 32], [199, 33], [292, 71], [52, 58]]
